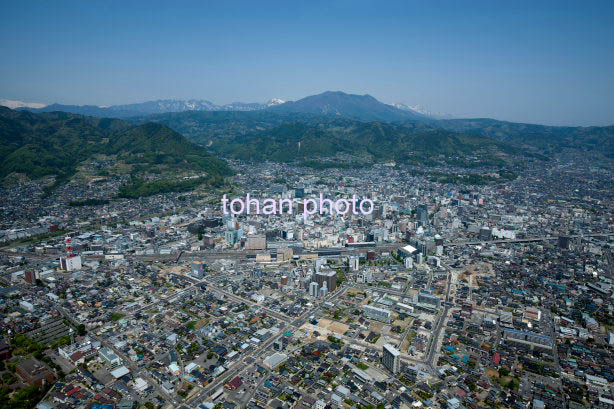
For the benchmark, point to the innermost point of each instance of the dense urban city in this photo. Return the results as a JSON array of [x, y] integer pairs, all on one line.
[[338, 204], [445, 296]]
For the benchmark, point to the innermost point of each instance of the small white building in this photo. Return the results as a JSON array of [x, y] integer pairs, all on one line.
[[26, 306], [140, 384], [119, 372]]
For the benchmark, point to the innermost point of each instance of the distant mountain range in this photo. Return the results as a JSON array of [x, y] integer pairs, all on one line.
[[19, 104], [330, 103], [230, 133], [150, 107], [423, 111], [179, 135]]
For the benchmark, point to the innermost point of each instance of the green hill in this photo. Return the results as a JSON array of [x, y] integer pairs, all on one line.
[[56, 143], [277, 131], [548, 139], [289, 136], [208, 126], [368, 142]]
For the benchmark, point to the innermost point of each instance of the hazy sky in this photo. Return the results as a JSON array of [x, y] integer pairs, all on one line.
[[540, 62]]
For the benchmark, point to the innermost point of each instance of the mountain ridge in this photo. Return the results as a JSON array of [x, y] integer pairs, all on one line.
[[42, 144], [395, 112], [338, 103], [335, 103], [545, 137], [206, 123], [367, 142], [159, 106]]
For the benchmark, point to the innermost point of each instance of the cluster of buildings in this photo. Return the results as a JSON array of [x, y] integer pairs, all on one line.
[[445, 296]]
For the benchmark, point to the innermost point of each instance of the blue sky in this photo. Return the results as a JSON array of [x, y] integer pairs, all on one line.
[[539, 62]]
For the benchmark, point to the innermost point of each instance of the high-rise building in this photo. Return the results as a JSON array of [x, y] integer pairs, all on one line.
[[564, 242], [403, 226], [354, 263], [391, 358], [233, 236], [422, 215], [409, 262], [422, 247], [438, 240], [485, 233], [198, 269], [429, 301], [313, 289], [328, 277], [30, 276]]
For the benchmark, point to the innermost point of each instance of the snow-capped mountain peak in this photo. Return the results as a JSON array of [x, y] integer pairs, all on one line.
[[20, 104], [275, 101], [422, 110]]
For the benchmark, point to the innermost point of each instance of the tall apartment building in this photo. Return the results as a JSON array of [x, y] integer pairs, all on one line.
[[328, 277], [313, 289], [391, 358], [422, 215]]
